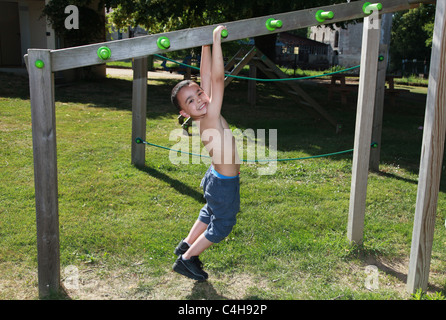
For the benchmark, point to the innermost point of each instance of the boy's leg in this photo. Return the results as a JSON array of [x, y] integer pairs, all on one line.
[[188, 263], [197, 229], [197, 247]]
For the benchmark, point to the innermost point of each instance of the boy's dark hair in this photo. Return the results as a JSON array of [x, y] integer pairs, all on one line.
[[176, 89]]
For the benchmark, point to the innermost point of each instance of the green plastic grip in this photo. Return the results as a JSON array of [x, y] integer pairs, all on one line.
[[104, 53], [224, 33], [322, 15], [163, 43], [39, 64], [272, 24], [368, 7]]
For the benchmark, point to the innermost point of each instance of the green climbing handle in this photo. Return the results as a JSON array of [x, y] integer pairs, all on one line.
[[224, 33], [163, 43], [39, 64], [272, 24], [104, 53], [322, 15], [368, 7]]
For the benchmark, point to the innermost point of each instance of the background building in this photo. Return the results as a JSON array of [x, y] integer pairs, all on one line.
[[344, 45], [22, 27]]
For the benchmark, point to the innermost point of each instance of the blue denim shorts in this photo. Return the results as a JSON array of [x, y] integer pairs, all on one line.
[[222, 196]]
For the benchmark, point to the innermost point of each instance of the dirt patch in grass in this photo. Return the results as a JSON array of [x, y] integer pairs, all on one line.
[[136, 285], [132, 283], [138, 282]]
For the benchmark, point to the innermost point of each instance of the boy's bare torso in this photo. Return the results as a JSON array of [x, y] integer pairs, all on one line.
[[218, 139]]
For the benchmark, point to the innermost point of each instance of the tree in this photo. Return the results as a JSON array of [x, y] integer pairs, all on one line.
[[167, 15], [91, 21], [412, 33]]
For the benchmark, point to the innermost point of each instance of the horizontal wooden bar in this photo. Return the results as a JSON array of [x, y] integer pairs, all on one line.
[[82, 56]]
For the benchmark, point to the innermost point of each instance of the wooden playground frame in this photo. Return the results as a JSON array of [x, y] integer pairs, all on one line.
[[43, 63]]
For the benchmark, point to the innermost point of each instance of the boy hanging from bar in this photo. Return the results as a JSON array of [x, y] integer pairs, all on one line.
[[221, 184]]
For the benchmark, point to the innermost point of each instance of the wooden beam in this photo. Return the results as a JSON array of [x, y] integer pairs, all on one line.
[[139, 110], [431, 159], [363, 130], [189, 38], [41, 83]]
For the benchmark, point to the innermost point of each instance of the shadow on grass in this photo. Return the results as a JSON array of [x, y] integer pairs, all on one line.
[[395, 270], [396, 177], [179, 186], [204, 290]]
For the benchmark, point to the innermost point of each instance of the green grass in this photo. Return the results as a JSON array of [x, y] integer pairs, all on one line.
[[120, 222], [412, 80]]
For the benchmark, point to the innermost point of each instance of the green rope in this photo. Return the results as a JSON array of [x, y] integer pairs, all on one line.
[[139, 140], [264, 80]]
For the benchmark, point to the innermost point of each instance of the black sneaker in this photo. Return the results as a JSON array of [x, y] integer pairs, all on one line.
[[192, 268], [181, 248]]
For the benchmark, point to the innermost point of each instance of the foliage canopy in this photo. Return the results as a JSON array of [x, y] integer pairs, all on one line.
[[412, 33]]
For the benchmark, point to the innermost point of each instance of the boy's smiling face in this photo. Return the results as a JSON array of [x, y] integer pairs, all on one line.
[[193, 101]]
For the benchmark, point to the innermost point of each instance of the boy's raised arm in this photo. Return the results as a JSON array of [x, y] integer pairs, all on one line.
[[217, 74], [205, 69]]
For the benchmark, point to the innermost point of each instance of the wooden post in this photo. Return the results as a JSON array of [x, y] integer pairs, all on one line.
[[379, 109], [139, 110], [41, 83], [363, 130], [375, 153], [431, 159]]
